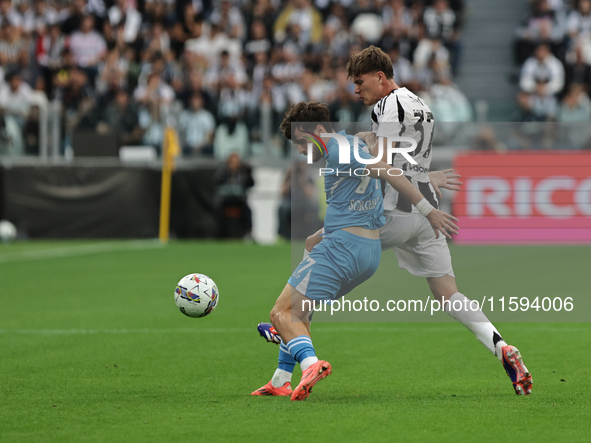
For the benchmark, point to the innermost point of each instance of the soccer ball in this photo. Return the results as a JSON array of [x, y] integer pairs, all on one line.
[[7, 231], [196, 295]]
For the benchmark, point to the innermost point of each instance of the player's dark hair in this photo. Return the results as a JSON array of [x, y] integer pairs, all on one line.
[[305, 113], [371, 59]]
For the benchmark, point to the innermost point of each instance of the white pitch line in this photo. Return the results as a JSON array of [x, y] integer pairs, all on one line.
[[319, 329], [73, 251]]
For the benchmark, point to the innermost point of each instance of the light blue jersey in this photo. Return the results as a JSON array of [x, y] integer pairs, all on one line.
[[342, 261], [353, 199]]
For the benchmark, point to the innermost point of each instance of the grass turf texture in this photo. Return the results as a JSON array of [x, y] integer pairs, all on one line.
[[94, 350]]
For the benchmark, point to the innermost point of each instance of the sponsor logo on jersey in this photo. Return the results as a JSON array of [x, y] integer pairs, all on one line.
[[364, 205], [414, 168]]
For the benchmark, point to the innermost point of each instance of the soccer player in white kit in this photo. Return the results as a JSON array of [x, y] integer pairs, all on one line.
[[399, 112]]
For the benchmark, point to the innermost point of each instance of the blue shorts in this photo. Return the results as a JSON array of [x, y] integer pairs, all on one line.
[[336, 265]]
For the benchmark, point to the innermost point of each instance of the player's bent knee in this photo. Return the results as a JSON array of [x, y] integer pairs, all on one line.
[[276, 313]]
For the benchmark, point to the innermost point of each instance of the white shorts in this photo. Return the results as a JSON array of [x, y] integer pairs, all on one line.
[[414, 243]]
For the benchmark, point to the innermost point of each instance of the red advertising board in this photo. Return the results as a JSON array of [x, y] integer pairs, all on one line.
[[524, 197]]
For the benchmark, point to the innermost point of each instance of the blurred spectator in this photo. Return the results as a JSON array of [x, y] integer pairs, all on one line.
[[39, 17], [11, 45], [334, 44], [400, 28], [229, 19], [403, 72], [232, 103], [427, 75], [579, 20], [72, 17], [577, 70], [49, 49], [197, 126], [300, 19], [112, 70], [258, 41], [120, 116], [88, 47], [220, 42], [448, 103], [258, 71], [543, 67], [154, 99], [78, 100], [198, 43], [8, 14], [123, 14], [486, 140], [158, 40], [29, 72], [97, 8], [538, 106], [346, 107], [428, 51], [542, 26], [223, 69], [575, 115], [15, 97], [441, 24], [288, 67], [11, 139], [234, 214], [263, 10], [154, 90], [193, 86], [575, 106], [367, 24]]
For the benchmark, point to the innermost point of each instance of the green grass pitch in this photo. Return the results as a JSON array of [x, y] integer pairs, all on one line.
[[92, 349]]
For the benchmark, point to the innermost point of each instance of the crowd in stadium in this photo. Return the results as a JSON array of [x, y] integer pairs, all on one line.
[[209, 67], [128, 66], [553, 48]]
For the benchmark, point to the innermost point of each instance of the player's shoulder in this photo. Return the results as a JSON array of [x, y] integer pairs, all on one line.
[[382, 105], [409, 99], [399, 104]]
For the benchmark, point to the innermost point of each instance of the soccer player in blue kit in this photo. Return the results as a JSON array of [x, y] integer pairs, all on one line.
[[350, 251]]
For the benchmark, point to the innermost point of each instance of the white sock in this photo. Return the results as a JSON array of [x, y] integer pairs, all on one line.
[[307, 362], [476, 322], [306, 253], [280, 378]]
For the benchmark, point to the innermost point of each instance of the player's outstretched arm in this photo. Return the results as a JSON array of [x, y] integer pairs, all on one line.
[[440, 221], [445, 179]]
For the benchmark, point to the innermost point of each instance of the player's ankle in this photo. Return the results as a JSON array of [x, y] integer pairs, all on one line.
[[307, 362]]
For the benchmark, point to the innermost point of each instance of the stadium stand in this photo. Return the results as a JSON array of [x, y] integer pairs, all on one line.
[[222, 72]]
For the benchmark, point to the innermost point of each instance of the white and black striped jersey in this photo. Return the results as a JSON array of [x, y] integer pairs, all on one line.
[[401, 113]]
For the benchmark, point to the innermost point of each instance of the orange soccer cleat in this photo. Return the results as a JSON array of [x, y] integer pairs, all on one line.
[[516, 370], [269, 389], [319, 370]]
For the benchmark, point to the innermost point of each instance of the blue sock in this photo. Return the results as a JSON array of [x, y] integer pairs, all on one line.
[[286, 360], [301, 347]]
